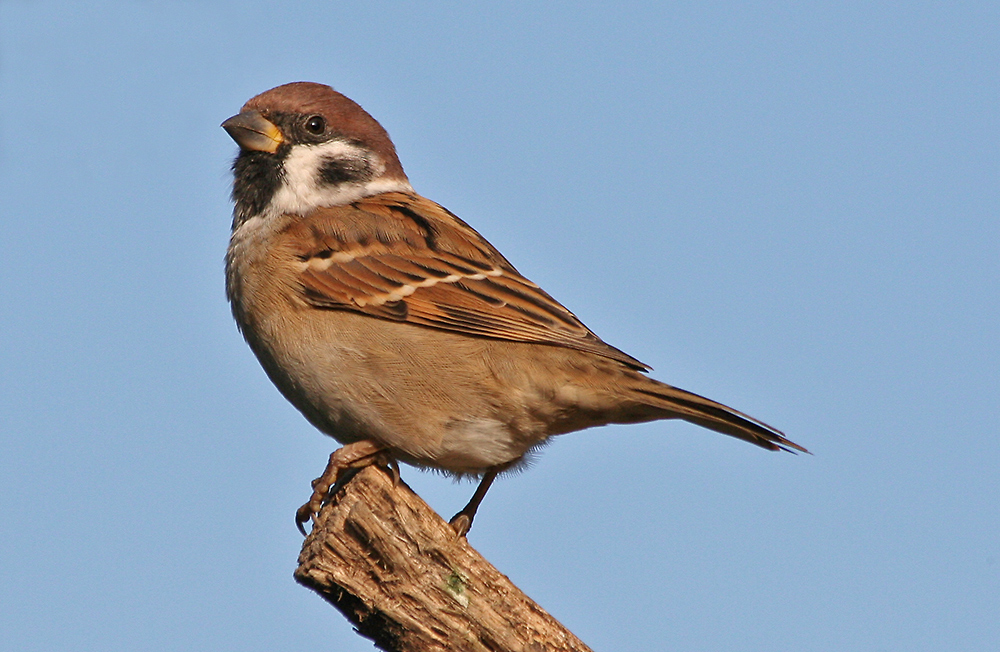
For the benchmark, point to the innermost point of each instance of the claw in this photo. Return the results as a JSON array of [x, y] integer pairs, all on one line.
[[302, 514], [343, 464], [461, 523]]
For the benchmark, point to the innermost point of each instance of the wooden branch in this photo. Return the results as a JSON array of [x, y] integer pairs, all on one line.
[[397, 571]]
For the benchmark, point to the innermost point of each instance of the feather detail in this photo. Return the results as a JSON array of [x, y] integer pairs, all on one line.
[[402, 257]]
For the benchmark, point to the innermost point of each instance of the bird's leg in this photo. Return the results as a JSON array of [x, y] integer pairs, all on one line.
[[462, 522], [351, 457]]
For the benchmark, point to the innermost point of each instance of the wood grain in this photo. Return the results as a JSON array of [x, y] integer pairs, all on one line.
[[397, 571]]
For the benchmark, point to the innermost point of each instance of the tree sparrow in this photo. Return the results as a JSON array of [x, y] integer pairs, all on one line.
[[396, 328]]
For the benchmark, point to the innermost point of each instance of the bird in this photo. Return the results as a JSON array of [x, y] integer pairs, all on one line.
[[397, 329]]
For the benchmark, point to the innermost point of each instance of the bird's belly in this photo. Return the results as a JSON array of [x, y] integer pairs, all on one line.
[[418, 391]]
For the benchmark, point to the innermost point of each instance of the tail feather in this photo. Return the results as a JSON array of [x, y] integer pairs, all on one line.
[[681, 404]]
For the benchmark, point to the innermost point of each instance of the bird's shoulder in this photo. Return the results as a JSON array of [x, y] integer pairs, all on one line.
[[403, 257]]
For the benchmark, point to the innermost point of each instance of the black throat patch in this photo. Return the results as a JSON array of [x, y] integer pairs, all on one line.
[[257, 176]]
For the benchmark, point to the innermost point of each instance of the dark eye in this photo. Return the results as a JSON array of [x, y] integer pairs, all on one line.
[[316, 125]]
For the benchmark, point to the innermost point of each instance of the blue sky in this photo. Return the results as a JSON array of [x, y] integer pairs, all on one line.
[[789, 207]]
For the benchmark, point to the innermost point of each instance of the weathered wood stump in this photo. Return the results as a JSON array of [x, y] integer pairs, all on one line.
[[397, 571]]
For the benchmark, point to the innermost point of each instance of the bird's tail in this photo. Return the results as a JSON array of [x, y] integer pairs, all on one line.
[[661, 401]]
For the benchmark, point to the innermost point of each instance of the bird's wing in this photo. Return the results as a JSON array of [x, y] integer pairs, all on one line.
[[401, 257]]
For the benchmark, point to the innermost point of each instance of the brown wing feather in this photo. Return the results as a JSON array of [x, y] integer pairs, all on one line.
[[400, 256]]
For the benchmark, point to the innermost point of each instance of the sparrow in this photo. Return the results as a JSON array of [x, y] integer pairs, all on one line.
[[397, 329]]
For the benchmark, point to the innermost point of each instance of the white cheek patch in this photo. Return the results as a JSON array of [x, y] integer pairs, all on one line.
[[303, 190]]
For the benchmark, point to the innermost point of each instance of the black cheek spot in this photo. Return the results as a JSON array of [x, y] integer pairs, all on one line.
[[341, 170]]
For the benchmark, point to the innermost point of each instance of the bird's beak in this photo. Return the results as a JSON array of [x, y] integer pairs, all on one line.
[[253, 131]]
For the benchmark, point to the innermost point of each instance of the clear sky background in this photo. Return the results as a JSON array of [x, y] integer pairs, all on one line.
[[789, 207]]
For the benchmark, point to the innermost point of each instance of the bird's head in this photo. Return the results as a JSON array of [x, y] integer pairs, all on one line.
[[305, 146]]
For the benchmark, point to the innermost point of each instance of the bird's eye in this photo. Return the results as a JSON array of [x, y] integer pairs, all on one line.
[[316, 125]]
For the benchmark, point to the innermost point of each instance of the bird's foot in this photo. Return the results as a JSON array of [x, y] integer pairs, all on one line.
[[461, 523], [343, 464]]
